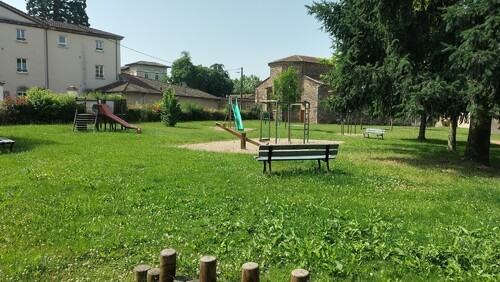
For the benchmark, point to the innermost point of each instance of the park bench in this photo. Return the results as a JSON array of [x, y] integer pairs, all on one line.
[[299, 152], [4, 141], [374, 131]]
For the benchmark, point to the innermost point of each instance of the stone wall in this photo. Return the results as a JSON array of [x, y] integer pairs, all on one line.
[[312, 90]]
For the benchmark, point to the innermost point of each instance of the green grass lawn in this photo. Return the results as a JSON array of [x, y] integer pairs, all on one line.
[[91, 206]]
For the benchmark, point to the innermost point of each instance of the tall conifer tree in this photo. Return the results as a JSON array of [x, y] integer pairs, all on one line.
[[68, 11]]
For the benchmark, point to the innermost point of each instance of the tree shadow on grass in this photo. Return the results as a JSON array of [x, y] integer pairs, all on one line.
[[301, 171], [324, 131], [25, 145], [432, 153]]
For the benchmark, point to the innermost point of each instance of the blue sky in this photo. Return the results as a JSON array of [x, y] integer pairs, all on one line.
[[235, 33]]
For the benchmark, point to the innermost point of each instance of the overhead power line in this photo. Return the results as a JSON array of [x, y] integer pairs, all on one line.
[[140, 52]]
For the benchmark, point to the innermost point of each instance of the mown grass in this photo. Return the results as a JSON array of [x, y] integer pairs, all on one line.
[[91, 206]]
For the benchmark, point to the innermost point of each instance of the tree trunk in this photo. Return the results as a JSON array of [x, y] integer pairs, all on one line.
[[423, 124], [452, 134], [478, 141]]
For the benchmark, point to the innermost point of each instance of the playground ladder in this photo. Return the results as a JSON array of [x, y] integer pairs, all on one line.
[[81, 121]]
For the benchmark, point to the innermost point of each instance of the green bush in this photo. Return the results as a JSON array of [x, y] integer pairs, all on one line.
[[15, 111], [143, 114], [171, 110], [49, 107], [103, 96], [255, 111], [39, 106], [217, 114], [193, 112]]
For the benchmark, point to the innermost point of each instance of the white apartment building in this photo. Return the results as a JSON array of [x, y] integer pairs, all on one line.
[[54, 55]]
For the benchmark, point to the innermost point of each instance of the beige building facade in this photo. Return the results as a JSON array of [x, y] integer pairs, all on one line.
[[54, 55], [313, 90], [150, 70]]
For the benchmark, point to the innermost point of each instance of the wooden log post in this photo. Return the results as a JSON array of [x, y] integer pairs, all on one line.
[[168, 259], [250, 272], [208, 269], [154, 275], [243, 140], [300, 275], [141, 273]]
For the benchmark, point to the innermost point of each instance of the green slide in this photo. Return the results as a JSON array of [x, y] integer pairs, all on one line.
[[237, 116]]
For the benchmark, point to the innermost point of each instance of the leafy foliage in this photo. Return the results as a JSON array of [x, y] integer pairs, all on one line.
[[103, 96], [416, 58], [171, 110], [475, 55], [213, 80], [286, 86], [138, 113], [249, 84], [68, 11], [39, 106]]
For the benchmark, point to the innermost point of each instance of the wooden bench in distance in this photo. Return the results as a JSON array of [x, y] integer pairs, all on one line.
[[299, 152], [4, 141], [374, 131]]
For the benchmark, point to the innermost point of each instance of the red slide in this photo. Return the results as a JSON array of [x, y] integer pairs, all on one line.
[[104, 110]]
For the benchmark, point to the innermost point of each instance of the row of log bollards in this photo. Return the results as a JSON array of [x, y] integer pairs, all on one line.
[[208, 271]]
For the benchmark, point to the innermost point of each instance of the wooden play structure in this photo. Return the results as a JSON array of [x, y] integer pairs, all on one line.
[[242, 136], [101, 113], [272, 110], [167, 270], [235, 111], [304, 108]]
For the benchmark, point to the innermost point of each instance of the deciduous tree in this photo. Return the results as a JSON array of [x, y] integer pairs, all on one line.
[[213, 80], [249, 84], [286, 86]]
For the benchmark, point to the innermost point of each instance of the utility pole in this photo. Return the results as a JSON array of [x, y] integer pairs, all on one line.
[[241, 87]]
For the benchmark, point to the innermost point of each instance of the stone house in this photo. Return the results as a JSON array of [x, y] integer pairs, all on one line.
[[144, 91], [312, 88], [54, 55]]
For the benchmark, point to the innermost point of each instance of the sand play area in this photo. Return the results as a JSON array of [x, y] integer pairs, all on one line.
[[233, 146]]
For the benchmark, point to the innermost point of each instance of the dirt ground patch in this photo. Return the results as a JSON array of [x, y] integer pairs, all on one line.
[[233, 146]]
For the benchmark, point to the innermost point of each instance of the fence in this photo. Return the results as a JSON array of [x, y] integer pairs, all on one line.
[[166, 272]]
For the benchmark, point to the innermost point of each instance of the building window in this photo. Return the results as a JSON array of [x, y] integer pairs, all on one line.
[[63, 41], [22, 65], [146, 75], [21, 35], [99, 45], [99, 71], [21, 91], [157, 76]]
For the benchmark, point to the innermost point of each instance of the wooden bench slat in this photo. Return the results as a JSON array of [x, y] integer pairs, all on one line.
[[297, 152], [299, 158], [298, 146]]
